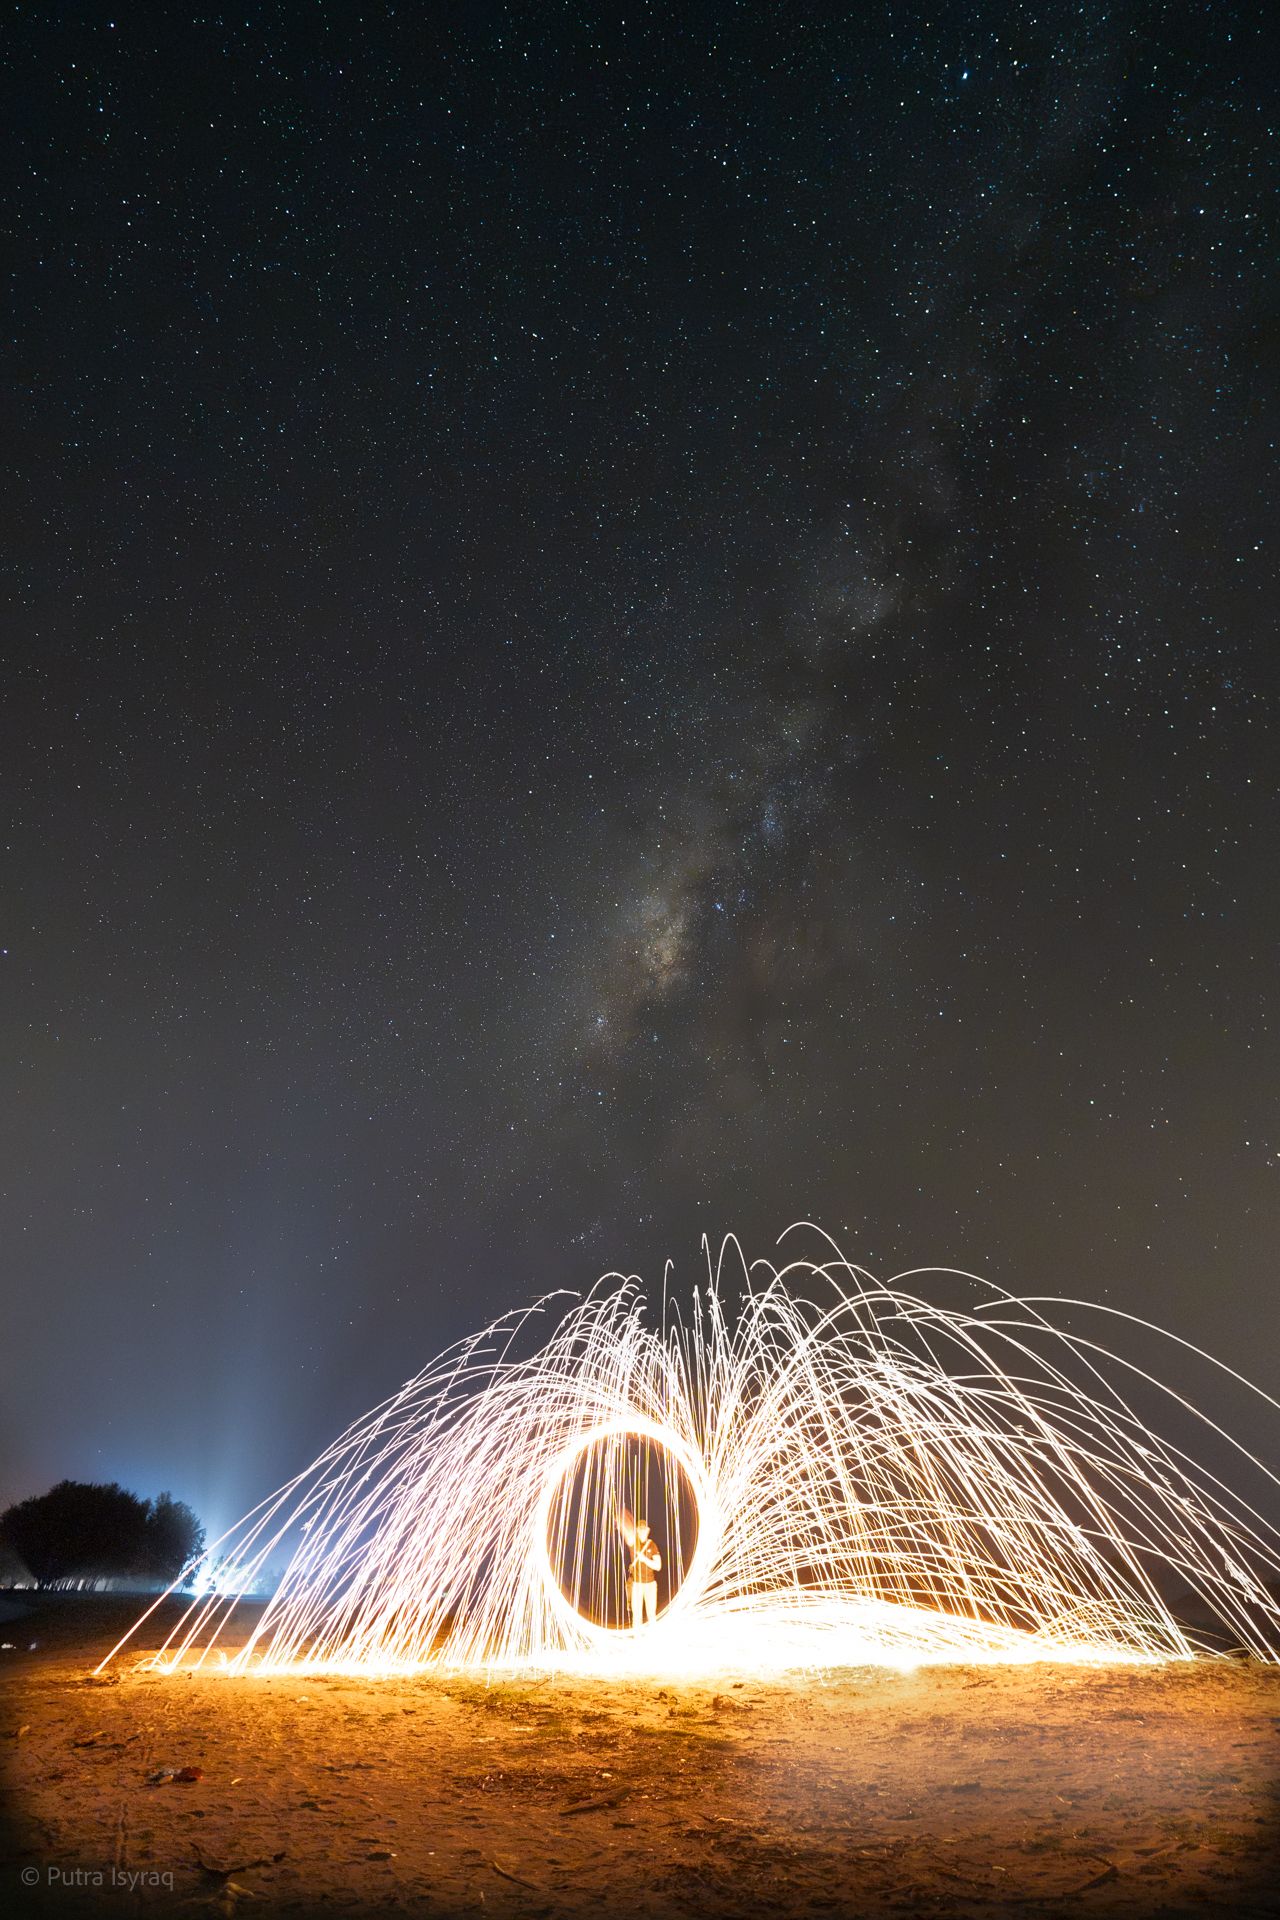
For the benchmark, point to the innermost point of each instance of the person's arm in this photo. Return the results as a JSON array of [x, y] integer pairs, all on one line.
[[652, 1555]]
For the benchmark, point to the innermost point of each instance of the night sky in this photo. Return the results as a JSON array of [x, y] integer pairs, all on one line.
[[622, 623]]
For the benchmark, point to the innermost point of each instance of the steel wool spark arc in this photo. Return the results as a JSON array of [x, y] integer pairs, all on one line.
[[832, 1470]]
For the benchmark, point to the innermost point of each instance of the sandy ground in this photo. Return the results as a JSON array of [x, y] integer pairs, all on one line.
[[954, 1791]]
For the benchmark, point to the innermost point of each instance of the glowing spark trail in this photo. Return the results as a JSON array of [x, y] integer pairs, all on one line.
[[835, 1471]]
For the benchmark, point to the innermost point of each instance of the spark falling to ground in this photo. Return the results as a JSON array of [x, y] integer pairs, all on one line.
[[836, 1471]]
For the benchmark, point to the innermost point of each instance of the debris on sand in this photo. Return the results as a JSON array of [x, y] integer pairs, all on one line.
[[885, 1793]]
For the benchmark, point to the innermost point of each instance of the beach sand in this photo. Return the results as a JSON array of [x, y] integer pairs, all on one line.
[[947, 1790]]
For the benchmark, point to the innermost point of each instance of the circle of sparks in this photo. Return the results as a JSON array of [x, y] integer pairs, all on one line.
[[879, 1479], [571, 1618]]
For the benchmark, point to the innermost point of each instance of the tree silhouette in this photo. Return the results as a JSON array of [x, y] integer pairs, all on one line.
[[173, 1537], [99, 1531]]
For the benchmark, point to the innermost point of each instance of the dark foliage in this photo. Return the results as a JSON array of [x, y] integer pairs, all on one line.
[[89, 1530]]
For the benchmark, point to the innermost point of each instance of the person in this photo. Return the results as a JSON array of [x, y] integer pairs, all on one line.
[[645, 1562]]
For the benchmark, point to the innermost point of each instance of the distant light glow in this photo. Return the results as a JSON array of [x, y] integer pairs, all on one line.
[[844, 1474]]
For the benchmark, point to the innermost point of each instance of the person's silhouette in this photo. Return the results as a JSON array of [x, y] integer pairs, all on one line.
[[643, 1577]]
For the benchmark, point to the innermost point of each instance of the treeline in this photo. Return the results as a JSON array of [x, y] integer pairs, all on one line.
[[82, 1530]]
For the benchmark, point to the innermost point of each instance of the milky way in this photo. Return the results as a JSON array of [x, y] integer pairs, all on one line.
[[615, 629]]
